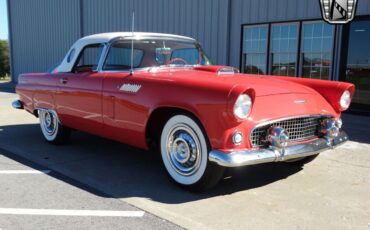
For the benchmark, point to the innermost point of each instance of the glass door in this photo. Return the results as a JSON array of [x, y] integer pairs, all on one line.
[[358, 61], [317, 50]]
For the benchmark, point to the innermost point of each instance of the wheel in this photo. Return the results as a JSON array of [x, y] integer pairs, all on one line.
[[302, 161], [184, 150], [51, 127]]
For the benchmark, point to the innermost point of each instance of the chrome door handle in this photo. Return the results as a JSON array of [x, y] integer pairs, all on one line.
[[63, 80]]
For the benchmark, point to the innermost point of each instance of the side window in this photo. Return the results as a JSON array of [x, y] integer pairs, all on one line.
[[88, 59], [119, 57]]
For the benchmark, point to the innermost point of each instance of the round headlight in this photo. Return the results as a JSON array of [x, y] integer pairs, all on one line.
[[243, 106], [345, 99]]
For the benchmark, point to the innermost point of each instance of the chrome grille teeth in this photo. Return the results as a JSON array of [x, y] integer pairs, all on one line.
[[298, 129]]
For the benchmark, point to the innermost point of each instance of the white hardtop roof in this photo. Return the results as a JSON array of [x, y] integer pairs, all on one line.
[[106, 37], [67, 65]]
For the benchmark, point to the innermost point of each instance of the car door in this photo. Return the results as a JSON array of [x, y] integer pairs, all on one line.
[[79, 94], [123, 102]]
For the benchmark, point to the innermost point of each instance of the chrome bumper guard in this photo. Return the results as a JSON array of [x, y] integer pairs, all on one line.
[[273, 154], [17, 104]]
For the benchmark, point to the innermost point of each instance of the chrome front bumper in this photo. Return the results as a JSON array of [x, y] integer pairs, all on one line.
[[259, 156], [17, 104]]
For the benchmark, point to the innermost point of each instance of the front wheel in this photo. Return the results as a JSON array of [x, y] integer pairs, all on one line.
[[184, 150], [53, 131]]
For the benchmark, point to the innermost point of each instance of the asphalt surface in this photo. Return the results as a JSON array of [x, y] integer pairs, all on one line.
[[54, 191], [47, 192], [89, 172]]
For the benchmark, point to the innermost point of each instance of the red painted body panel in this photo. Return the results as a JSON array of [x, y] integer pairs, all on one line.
[[78, 101], [93, 102]]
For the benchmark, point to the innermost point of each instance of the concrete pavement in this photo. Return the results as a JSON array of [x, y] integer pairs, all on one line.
[[331, 192]]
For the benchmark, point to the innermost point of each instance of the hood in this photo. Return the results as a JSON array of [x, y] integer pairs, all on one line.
[[267, 85], [263, 85]]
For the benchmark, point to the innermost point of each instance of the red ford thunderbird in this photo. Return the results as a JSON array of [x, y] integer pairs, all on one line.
[[148, 89]]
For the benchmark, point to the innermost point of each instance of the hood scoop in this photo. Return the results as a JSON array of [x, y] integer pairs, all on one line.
[[219, 69]]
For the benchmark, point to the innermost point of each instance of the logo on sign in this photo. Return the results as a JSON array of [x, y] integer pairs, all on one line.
[[338, 11]]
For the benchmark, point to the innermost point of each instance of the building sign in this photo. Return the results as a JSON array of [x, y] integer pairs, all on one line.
[[338, 11]]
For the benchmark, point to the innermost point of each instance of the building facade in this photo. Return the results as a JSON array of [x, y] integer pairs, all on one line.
[[275, 37]]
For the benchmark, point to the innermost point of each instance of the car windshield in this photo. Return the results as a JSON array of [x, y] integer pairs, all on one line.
[[154, 53]]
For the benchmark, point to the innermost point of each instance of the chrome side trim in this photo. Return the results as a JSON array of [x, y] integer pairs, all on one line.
[[259, 156], [17, 104]]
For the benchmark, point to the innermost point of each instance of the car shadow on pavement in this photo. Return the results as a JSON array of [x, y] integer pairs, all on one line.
[[7, 87], [111, 169], [357, 127]]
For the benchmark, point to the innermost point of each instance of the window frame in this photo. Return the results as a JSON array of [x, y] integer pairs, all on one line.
[[102, 54], [297, 48], [267, 25], [105, 58], [299, 44], [332, 49]]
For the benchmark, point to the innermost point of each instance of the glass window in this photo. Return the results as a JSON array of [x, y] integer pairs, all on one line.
[[316, 51], [89, 57], [154, 52], [284, 49], [255, 49], [190, 55], [119, 57], [358, 61]]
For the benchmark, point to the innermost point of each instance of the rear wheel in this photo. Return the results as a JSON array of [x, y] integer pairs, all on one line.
[[184, 150], [53, 131]]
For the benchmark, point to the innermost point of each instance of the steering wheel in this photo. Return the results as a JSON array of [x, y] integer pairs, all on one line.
[[172, 61]]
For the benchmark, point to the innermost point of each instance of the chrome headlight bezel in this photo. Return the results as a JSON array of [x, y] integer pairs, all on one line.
[[242, 106], [345, 100]]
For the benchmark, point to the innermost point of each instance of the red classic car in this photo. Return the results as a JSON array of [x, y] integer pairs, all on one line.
[[148, 89]]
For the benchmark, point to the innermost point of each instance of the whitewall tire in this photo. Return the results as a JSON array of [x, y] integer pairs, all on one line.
[[51, 128], [184, 150]]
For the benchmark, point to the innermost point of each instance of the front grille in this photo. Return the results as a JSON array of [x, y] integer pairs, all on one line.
[[298, 129]]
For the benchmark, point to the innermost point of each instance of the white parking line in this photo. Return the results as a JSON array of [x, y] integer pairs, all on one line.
[[56, 212], [25, 171]]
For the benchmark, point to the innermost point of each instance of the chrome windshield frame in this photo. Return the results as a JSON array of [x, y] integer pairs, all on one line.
[[107, 47]]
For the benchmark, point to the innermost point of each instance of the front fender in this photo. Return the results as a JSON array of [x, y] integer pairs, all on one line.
[[330, 90]]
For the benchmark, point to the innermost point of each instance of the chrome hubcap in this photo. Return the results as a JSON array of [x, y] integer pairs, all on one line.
[[48, 122], [183, 150]]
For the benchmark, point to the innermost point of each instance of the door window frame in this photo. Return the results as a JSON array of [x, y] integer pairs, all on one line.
[[102, 55]]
